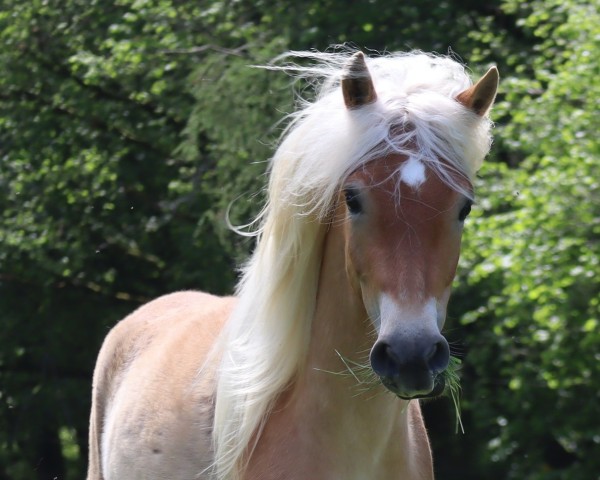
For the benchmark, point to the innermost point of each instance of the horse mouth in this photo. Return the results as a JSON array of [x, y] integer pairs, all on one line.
[[439, 385]]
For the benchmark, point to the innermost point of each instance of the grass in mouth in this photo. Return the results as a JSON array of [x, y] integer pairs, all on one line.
[[367, 380], [452, 389], [362, 373]]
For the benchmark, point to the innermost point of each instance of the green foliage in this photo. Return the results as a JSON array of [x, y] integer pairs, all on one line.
[[93, 220], [533, 260], [127, 130], [237, 151]]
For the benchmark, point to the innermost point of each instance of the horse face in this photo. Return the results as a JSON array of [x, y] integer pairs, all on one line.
[[402, 245]]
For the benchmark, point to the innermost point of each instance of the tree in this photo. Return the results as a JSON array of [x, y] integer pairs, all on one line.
[[532, 262], [99, 209]]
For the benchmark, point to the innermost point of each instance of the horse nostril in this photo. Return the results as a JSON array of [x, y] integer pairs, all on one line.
[[392, 361], [439, 356], [383, 360]]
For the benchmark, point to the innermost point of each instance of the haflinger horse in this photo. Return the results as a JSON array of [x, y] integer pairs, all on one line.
[[356, 251]]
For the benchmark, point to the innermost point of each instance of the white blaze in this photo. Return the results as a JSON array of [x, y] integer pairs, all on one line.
[[410, 319]]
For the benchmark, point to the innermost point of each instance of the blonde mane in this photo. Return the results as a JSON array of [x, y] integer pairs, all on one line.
[[264, 344]]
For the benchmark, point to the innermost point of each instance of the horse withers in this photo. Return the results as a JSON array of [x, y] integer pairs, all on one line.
[[313, 370]]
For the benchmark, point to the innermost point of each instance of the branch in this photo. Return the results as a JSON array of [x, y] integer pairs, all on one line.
[[36, 373], [238, 52], [94, 122], [70, 283], [59, 69]]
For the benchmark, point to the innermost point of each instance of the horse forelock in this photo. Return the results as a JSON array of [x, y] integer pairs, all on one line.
[[415, 115]]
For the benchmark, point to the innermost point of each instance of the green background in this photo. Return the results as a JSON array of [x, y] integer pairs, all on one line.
[[128, 127]]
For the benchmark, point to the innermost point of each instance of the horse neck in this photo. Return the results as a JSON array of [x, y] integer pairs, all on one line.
[[322, 426], [328, 399], [340, 326], [342, 333]]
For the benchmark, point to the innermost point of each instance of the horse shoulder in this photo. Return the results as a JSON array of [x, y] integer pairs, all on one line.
[[147, 383], [137, 333]]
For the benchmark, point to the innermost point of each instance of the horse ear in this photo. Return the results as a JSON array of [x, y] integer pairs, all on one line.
[[480, 97], [357, 85]]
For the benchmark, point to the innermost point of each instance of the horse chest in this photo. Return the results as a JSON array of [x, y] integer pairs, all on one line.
[[319, 443]]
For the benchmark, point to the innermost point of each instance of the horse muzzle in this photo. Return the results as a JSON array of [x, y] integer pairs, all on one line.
[[411, 369]]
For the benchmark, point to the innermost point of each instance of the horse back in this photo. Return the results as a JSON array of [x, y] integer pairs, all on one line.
[[153, 391]]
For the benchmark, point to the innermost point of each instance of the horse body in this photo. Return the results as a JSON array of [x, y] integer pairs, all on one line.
[[318, 425], [152, 413], [356, 253]]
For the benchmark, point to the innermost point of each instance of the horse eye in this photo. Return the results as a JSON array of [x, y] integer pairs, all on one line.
[[465, 210], [352, 201]]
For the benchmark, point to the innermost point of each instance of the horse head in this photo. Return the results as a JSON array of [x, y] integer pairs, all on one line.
[[405, 214]]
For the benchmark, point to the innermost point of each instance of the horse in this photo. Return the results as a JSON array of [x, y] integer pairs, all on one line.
[[315, 367]]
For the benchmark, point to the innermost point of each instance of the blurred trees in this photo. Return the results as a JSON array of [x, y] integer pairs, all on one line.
[[127, 129], [532, 259], [100, 210]]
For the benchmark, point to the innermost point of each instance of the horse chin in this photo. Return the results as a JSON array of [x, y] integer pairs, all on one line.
[[437, 390]]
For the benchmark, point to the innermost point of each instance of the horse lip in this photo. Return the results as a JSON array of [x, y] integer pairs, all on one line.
[[438, 389]]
